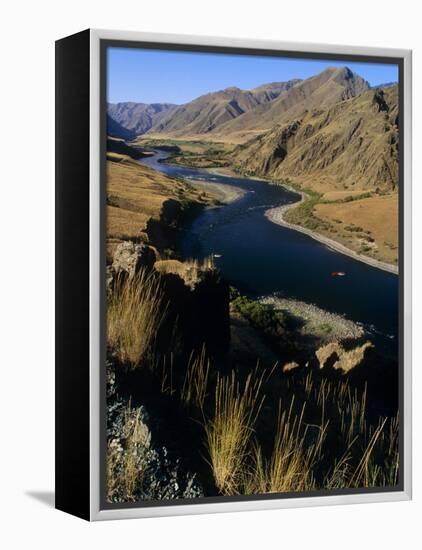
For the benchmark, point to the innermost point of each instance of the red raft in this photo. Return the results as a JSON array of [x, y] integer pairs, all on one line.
[[338, 274]]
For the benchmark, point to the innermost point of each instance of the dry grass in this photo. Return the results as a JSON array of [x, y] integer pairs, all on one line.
[[378, 215], [323, 437], [136, 194], [229, 434], [323, 440], [134, 314], [195, 385], [290, 466]]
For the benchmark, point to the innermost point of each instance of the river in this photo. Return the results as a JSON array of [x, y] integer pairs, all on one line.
[[262, 258]]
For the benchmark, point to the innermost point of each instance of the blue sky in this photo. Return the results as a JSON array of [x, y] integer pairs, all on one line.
[[153, 76]]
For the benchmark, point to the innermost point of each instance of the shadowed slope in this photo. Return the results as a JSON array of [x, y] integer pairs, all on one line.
[[138, 118]]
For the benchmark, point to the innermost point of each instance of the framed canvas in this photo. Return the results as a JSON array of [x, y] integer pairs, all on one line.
[[233, 285]]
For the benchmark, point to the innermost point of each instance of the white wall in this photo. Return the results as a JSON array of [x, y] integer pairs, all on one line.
[[26, 217]]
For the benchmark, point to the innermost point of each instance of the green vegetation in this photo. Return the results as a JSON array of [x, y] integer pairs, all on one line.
[[199, 154], [353, 228], [198, 145], [210, 158], [325, 328], [270, 322], [303, 214], [349, 198]]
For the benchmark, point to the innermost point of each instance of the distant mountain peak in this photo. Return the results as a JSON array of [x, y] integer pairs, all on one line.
[[385, 85]]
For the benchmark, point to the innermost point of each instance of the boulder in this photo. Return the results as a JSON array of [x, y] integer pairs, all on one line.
[[131, 258]]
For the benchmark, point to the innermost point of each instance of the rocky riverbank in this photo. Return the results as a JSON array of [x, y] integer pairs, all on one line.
[[316, 322]]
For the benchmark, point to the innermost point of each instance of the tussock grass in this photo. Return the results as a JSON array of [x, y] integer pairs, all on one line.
[[323, 439], [351, 451], [290, 466], [229, 434], [134, 314]]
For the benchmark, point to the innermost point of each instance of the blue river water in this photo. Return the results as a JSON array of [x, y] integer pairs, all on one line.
[[262, 258]]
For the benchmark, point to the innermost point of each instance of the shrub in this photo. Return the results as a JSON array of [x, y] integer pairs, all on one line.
[[261, 316], [353, 228]]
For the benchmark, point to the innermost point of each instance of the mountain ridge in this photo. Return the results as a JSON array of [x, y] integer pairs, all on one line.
[[237, 113], [320, 91], [209, 111]]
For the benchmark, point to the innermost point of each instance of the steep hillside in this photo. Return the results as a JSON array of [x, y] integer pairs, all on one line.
[[209, 112], [116, 130], [353, 144], [142, 201], [138, 117], [318, 92]]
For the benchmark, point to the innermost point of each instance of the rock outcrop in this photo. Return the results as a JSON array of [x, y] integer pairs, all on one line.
[[130, 258], [198, 306], [333, 355], [130, 447]]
